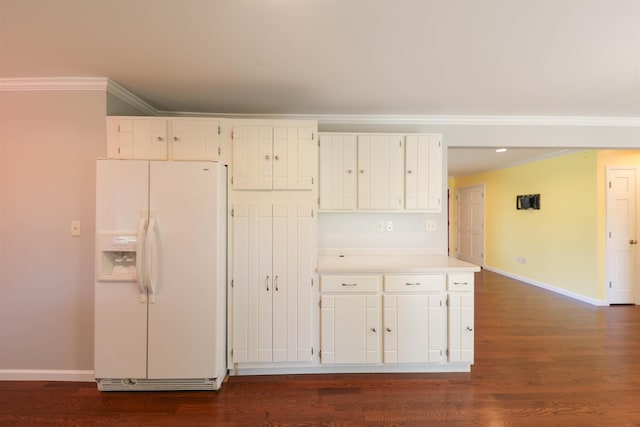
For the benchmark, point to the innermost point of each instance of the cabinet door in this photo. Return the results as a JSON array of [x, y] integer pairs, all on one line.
[[413, 328], [338, 171], [294, 158], [423, 172], [251, 291], [143, 138], [194, 139], [252, 157], [380, 172], [292, 276], [461, 326], [350, 329]]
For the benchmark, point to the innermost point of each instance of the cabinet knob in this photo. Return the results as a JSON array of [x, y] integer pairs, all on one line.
[[159, 138], [276, 157], [349, 171], [267, 157], [388, 329], [374, 330], [469, 328], [409, 171], [361, 170], [175, 138], [633, 242]]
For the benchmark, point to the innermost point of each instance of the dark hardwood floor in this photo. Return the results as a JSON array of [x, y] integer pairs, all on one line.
[[541, 360]]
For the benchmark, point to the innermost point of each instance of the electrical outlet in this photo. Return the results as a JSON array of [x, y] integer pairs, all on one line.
[[389, 225], [75, 228], [521, 260], [380, 226], [431, 225]]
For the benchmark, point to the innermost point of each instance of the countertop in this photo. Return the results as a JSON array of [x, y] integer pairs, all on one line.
[[354, 264]]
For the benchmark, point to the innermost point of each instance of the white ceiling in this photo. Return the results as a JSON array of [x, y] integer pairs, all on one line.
[[500, 57], [376, 57]]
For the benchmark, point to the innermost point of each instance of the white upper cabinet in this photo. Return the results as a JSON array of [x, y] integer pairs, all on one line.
[[381, 172], [137, 138], [423, 172], [338, 171], [153, 138], [273, 157], [195, 139]]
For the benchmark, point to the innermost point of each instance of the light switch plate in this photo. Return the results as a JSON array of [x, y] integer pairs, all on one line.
[[75, 228]]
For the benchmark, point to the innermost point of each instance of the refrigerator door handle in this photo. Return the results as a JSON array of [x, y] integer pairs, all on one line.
[[140, 252], [151, 255]]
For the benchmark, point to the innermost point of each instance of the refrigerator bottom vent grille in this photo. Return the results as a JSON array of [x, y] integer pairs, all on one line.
[[135, 384]]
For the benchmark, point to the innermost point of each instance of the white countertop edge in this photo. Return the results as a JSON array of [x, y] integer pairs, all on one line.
[[343, 263], [378, 251]]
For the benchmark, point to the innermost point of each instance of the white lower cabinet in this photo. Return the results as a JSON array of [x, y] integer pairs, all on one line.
[[402, 322], [460, 317]]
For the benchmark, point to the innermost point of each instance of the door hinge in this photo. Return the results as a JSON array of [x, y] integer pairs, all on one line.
[[312, 351], [232, 283], [318, 201], [311, 213], [609, 184], [609, 234], [231, 134], [320, 304], [233, 212], [219, 151], [400, 143], [320, 355], [231, 352], [219, 130], [231, 180], [312, 282], [609, 284], [118, 150], [313, 136], [447, 352]]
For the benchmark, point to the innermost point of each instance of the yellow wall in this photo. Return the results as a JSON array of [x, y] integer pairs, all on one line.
[[564, 241]]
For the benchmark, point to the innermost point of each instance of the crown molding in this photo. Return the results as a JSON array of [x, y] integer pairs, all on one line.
[[131, 99], [113, 88], [102, 84], [425, 120], [54, 83]]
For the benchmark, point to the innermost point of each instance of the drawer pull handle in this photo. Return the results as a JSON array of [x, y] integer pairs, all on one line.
[[412, 284], [350, 285], [461, 283]]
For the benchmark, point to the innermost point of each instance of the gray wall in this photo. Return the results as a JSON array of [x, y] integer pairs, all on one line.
[[49, 142]]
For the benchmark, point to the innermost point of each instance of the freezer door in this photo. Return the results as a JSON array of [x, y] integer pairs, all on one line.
[[120, 318], [186, 318]]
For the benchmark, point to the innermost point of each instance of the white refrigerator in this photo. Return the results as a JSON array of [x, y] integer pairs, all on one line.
[[160, 288]]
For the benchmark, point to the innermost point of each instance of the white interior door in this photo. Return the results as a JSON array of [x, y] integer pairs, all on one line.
[[184, 199], [622, 238], [470, 224]]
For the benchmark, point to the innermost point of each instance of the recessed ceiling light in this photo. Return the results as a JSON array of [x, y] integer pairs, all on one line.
[[501, 150]]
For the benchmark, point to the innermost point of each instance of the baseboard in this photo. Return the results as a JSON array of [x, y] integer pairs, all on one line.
[[46, 375], [548, 287]]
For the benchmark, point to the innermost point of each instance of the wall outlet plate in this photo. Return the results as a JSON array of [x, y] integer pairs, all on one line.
[[432, 225]]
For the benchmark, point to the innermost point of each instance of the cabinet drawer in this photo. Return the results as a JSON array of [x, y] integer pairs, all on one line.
[[460, 282], [349, 284], [414, 283]]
